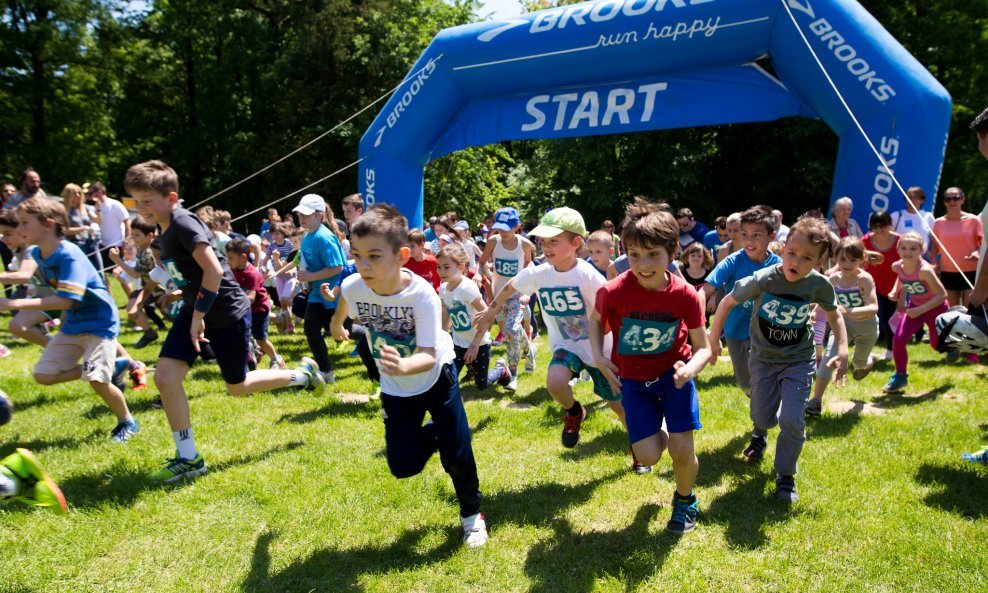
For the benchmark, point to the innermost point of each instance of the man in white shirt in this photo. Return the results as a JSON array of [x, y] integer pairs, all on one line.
[[114, 224]]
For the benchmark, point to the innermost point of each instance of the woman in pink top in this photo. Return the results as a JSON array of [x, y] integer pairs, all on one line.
[[961, 235]]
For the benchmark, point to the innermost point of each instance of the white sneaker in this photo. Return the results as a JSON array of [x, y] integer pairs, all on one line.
[[328, 376], [584, 376], [512, 385], [278, 363], [474, 531], [530, 360], [888, 355]]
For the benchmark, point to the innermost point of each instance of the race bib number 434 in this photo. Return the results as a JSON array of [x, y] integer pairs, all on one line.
[[562, 301], [639, 336]]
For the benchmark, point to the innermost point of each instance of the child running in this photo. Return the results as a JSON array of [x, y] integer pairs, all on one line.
[[511, 253], [653, 316], [921, 298], [91, 323], [782, 356], [401, 312], [858, 305], [756, 232], [251, 281], [600, 244], [567, 290], [461, 302], [280, 251], [215, 310]]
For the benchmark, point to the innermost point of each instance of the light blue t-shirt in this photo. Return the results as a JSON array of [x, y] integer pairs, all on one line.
[[734, 267], [70, 274], [321, 250]]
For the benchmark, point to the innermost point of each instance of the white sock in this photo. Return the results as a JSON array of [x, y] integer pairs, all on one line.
[[299, 379], [185, 443], [128, 419], [9, 485]]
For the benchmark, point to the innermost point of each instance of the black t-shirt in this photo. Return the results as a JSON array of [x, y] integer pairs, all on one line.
[[177, 244]]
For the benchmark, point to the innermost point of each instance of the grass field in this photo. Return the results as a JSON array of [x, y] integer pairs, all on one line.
[[299, 498]]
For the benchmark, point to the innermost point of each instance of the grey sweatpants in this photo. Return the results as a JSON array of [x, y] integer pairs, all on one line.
[[862, 334], [739, 351], [778, 395]]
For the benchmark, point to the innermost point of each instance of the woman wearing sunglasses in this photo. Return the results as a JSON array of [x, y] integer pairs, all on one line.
[[961, 236]]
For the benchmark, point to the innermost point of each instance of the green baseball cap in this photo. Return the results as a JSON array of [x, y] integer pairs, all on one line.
[[558, 220]]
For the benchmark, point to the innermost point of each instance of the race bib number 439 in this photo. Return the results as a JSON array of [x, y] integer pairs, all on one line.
[[782, 321], [562, 301], [639, 336]]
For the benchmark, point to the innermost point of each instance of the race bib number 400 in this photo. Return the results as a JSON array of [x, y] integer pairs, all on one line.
[[639, 336], [782, 321], [460, 318], [562, 301]]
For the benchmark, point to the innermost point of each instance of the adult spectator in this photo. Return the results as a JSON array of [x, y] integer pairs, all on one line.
[[781, 230], [913, 217], [83, 230], [30, 187], [841, 223], [961, 236], [718, 236], [430, 233], [114, 226], [616, 247], [690, 229]]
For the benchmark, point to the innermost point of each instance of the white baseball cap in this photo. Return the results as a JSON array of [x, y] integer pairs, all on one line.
[[309, 204], [461, 225]]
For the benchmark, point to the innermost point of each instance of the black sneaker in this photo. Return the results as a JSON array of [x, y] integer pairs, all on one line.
[[785, 489], [756, 450], [813, 408], [683, 515], [571, 429], [150, 337], [157, 405]]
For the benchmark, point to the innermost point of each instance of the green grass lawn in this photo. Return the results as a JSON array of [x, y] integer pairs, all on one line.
[[299, 498]]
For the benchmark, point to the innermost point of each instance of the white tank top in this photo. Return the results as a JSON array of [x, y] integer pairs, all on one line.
[[507, 263]]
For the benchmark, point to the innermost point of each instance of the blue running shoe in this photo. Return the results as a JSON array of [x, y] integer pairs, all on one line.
[[6, 409], [897, 383], [121, 367], [124, 430], [978, 457], [683, 515]]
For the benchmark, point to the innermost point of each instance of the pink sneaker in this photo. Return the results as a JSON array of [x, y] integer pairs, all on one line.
[[4, 351]]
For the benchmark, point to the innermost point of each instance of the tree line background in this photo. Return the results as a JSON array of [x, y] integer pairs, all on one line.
[[219, 89]]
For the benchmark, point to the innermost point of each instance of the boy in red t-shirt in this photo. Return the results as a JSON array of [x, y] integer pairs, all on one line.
[[420, 262], [653, 316], [251, 280]]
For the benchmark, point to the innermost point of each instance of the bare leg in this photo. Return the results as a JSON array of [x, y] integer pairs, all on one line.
[[684, 462], [112, 397]]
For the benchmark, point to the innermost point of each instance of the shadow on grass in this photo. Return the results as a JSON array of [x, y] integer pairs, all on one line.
[[335, 408], [705, 381], [120, 485], [343, 569], [833, 425], [39, 445], [572, 561], [99, 410], [958, 489], [44, 400], [898, 400], [613, 440]]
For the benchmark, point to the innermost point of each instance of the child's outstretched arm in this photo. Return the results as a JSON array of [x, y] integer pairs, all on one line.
[[596, 330], [479, 306], [717, 326], [483, 321], [48, 303], [114, 254], [340, 334], [701, 355], [22, 275], [839, 362]]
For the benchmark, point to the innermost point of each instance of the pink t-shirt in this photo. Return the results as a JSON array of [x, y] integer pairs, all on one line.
[[960, 238]]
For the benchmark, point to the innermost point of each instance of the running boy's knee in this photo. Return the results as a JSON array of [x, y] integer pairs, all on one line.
[[43, 378]]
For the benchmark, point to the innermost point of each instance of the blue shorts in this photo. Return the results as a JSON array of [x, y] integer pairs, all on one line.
[[230, 343], [259, 325], [646, 403]]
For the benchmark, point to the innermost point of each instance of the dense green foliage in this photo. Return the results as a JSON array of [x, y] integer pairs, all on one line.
[[219, 89]]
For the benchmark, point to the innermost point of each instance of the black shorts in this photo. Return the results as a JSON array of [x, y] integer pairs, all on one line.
[[230, 343], [955, 280], [259, 325]]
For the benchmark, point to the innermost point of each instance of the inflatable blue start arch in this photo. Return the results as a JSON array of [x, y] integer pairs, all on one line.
[[618, 66]]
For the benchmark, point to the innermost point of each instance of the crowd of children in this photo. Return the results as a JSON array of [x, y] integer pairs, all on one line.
[[420, 307]]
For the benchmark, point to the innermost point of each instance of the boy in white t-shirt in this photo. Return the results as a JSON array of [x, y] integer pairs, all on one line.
[[401, 313], [567, 290]]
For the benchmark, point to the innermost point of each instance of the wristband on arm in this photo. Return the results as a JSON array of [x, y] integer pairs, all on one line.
[[204, 300]]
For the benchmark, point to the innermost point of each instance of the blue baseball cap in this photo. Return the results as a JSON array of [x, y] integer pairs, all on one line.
[[506, 219]]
